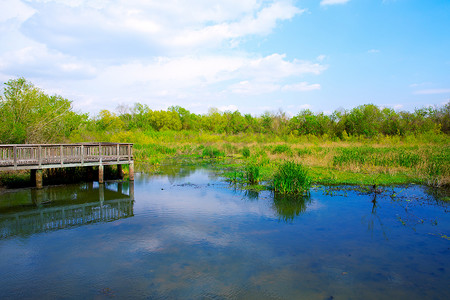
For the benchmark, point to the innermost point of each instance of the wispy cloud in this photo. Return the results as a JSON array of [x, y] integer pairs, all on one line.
[[333, 2], [301, 87]]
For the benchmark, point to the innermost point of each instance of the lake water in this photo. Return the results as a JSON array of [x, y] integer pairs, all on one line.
[[189, 235]]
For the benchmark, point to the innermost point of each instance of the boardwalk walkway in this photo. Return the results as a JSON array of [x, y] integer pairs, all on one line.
[[44, 156]]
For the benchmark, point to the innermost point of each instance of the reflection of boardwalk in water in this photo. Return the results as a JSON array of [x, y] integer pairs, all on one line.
[[41, 219]]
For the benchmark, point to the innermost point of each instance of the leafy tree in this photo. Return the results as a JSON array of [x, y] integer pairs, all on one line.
[[108, 121], [364, 120], [306, 122], [30, 116], [184, 115]]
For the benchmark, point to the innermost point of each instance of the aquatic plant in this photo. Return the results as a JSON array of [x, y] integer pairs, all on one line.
[[212, 152], [291, 178], [252, 172]]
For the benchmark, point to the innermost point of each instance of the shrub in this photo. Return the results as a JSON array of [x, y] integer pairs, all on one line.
[[291, 178]]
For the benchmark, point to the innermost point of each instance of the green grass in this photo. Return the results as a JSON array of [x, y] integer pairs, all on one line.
[[212, 152], [387, 156], [291, 178], [246, 152], [252, 172], [282, 149]]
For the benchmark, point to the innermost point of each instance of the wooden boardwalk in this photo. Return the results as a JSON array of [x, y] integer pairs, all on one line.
[[44, 156]]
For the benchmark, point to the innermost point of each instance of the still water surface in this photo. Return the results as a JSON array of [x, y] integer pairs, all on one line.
[[189, 235]]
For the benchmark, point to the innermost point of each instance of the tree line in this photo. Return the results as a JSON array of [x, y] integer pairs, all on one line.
[[30, 116]]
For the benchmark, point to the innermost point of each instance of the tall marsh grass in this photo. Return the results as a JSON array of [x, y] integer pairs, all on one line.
[[291, 178]]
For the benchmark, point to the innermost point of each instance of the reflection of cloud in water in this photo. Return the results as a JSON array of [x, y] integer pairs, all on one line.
[[184, 202], [149, 245], [201, 234]]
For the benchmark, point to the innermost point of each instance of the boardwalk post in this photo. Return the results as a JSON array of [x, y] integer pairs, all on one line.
[[100, 174], [131, 190], [39, 155], [62, 154], [39, 179], [15, 156], [131, 175]]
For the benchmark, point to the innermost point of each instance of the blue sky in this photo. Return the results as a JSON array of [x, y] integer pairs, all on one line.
[[250, 55]]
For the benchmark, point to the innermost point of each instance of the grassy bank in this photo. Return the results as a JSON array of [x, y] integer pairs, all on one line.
[[381, 160], [423, 159]]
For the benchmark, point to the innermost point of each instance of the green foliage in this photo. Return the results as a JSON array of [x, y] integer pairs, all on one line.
[[246, 152], [304, 151], [291, 178], [252, 172], [212, 152], [279, 149], [438, 167], [387, 157], [28, 115], [307, 123]]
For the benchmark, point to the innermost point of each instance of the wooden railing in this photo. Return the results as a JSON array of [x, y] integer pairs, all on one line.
[[38, 156]]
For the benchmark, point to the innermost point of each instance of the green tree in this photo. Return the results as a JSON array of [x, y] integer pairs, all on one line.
[[30, 116]]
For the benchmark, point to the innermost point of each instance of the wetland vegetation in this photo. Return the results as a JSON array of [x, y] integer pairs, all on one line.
[[364, 145], [317, 206]]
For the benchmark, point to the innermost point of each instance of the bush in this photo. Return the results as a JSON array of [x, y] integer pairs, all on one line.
[[291, 178]]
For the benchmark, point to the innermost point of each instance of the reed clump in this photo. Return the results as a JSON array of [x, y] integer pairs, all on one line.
[[291, 178], [252, 172]]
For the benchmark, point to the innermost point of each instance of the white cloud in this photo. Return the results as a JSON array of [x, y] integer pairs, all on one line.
[[304, 106], [301, 87], [105, 53], [373, 51], [154, 27], [15, 10], [230, 107], [333, 2], [321, 57]]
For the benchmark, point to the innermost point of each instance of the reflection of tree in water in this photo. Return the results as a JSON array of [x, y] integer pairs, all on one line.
[[440, 195], [290, 206], [406, 206], [252, 195], [375, 218]]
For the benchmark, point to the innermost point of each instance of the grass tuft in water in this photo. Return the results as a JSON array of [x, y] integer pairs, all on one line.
[[291, 178], [212, 152], [252, 172]]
